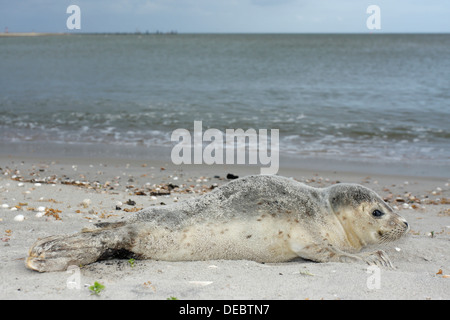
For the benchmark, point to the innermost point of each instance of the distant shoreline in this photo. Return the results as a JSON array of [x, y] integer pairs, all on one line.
[[31, 34], [35, 34]]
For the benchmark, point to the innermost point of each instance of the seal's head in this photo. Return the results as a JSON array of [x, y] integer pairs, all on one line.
[[365, 217]]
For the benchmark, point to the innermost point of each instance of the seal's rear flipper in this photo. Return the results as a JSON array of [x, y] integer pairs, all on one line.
[[57, 253]]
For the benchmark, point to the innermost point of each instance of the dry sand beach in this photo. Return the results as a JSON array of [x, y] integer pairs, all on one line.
[[41, 197]]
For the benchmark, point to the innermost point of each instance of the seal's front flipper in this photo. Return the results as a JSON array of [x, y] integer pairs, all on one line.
[[320, 253], [378, 258], [57, 253]]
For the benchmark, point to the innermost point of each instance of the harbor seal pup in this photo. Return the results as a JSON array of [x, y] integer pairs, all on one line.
[[260, 218]]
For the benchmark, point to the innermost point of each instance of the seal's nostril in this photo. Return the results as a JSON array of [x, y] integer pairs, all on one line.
[[406, 224]]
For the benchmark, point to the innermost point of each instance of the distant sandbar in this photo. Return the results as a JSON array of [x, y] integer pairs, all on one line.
[[30, 34]]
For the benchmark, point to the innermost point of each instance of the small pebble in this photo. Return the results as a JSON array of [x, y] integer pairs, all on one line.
[[20, 184], [5, 206], [39, 215], [19, 217], [41, 209]]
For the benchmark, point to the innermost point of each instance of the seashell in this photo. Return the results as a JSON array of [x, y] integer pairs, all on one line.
[[86, 203], [201, 283]]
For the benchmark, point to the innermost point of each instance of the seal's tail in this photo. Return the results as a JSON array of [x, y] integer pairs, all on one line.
[[57, 253]]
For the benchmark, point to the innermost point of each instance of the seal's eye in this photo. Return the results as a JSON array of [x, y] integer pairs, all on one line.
[[377, 213]]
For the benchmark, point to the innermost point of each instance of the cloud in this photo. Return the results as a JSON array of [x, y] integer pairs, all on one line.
[[271, 2], [225, 15]]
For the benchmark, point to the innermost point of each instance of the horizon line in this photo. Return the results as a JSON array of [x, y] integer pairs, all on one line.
[[174, 32]]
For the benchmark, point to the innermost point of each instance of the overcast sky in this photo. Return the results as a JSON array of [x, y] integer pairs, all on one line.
[[226, 16]]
